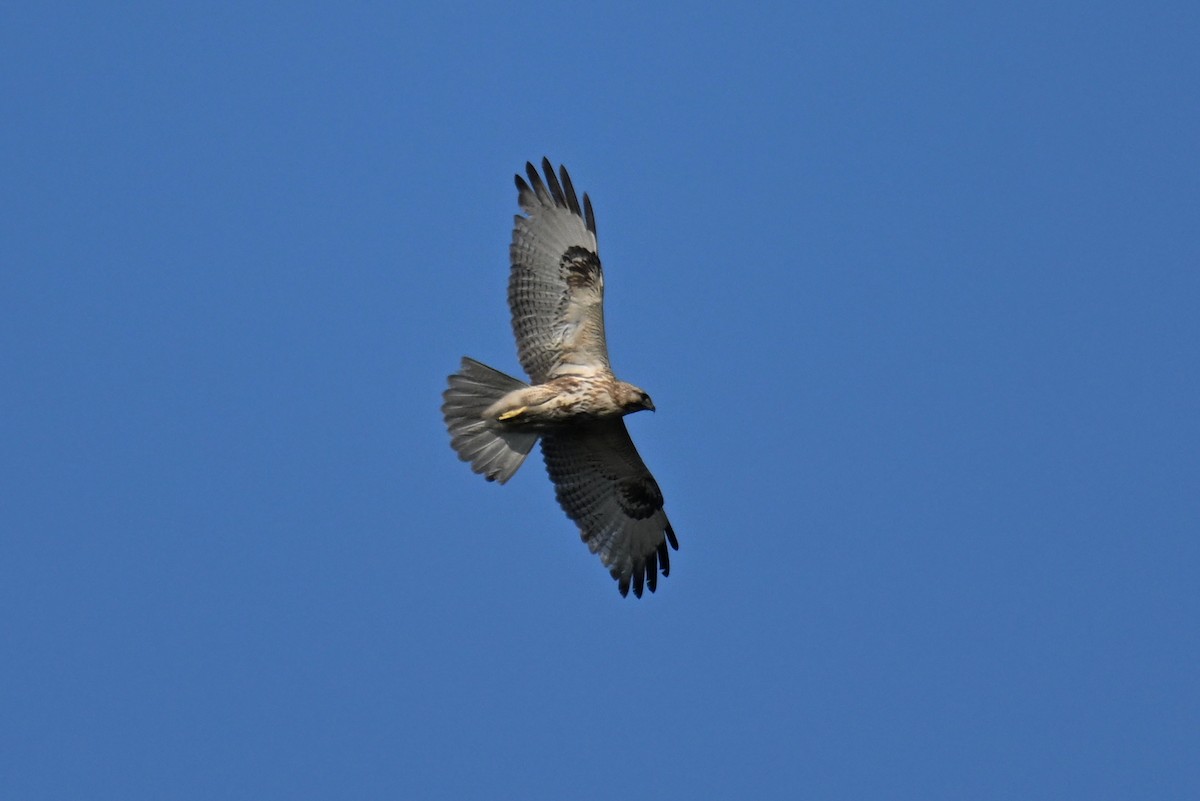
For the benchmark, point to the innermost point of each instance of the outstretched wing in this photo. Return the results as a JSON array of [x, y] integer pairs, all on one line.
[[604, 486], [556, 287]]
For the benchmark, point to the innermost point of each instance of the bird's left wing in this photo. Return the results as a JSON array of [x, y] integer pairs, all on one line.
[[603, 485], [556, 286]]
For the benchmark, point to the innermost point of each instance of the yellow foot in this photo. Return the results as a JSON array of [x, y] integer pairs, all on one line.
[[511, 413]]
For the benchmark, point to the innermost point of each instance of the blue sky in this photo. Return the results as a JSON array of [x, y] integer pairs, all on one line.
[[914, 288]]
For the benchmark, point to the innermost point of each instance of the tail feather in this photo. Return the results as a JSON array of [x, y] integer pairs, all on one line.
[[493, 451]]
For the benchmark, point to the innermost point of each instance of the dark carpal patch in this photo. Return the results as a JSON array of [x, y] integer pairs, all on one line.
[[640, 497], [580, 267]]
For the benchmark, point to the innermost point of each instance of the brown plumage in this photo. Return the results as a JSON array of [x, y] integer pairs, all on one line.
[[575, 404]]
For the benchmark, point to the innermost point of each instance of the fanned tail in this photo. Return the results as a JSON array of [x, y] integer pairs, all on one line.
[[492, 450]]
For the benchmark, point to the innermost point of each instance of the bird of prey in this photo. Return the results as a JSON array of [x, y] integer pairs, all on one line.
[[575, 403]]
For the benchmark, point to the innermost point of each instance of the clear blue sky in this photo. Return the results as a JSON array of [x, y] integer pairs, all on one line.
[[914, 288]]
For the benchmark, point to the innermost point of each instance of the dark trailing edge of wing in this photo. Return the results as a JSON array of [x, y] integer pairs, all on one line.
[[552, 191]]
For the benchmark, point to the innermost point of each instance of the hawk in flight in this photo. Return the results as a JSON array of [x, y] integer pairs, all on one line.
[[575, 403]]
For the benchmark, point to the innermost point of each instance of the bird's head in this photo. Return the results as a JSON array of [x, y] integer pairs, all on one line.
[[632, 399]]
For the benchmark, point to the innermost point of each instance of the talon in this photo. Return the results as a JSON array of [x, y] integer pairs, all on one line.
[[511, 413]]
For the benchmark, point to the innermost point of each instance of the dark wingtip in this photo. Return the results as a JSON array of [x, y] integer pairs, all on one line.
[[571, 198], [588, 216], [556, 191], [623, 586], [664, 558], [671, 537], [535, 180], [652, 571], [523, 189]]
